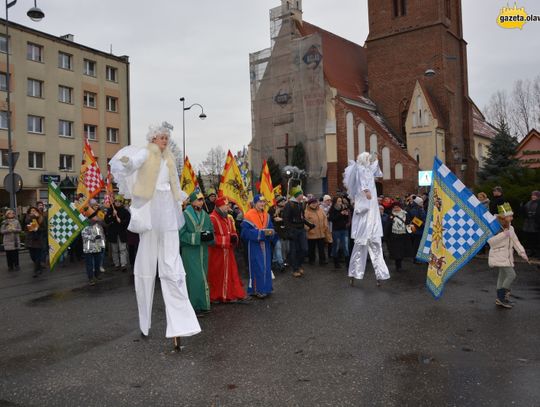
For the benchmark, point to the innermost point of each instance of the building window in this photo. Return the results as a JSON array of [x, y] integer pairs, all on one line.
[[4, 158], [65, 61], [34, 52], [350, 136], [373, 143], [361, 138], [396, 8], [66, 162], [34, 88], [3, 81], [35, 124], [112, 104], [403, 8], [3, 119], [36, 160], [89, 99], [111, 73], [417, 155], [448, 9], [65, 94], [112, 135], [3, 43], [90, 132], [386, 163], [480, 155], [65, 128], [398, 171], [89, 67]]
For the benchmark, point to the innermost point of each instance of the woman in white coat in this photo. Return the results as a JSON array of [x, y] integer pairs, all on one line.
[[149, 177], [366, 229]]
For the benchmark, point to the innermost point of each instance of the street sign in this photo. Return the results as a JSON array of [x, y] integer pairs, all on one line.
[[45, 178], [17, 183], [425, 178]]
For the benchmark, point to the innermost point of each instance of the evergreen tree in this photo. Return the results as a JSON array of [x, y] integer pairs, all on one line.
[[275, 171], [299, 156], [501, 154], [201, 183]]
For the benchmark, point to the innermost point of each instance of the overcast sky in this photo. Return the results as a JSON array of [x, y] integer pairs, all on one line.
[[200, 50]]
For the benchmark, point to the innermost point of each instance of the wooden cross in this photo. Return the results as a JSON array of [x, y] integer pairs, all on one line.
[[286, 147]]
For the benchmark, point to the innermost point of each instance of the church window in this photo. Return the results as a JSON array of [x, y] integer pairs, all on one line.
[[448, 9], [398, 170], [386, 162], [361, 138], [396, 8], [350, 136], [414, 120], [426, 117], [373, 143], [403, 10], [417, 155]]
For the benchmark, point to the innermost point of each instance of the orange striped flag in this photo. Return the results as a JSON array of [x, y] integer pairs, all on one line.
[[232, 186], [188, 180], [90, 182], [265, 186]]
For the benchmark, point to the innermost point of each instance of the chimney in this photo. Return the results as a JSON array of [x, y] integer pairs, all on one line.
[[69, 37]]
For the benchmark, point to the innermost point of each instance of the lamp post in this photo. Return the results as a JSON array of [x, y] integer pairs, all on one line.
[[35, 14], [202, 116]]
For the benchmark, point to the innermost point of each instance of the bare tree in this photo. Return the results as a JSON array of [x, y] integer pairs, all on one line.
[[213, 164], [498, 108], [522, 107]]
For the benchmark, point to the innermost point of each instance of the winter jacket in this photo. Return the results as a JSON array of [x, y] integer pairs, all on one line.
[[339, 220], [117, 230], [10, 230], [93, 238], [501, 252], [317, 218], [36, 239], [293, 215], [531, 215]]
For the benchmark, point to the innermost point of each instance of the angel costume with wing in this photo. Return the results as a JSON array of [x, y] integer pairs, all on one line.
[[366, 229], [149, 177]]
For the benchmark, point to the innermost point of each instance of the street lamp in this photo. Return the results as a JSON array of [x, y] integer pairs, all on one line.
[[430, 72], [35, 14], [202, 116]]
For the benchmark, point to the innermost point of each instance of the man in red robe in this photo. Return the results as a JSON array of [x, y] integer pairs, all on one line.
[[223, 279]]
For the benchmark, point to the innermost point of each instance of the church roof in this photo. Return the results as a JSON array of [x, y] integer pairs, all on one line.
[[344, 62], [481, 127]]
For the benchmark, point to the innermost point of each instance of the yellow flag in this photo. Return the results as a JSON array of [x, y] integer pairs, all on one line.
[[265, 187], [188, 180], [232, 186]]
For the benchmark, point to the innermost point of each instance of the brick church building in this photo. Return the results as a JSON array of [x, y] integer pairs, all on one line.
[[404, 94]]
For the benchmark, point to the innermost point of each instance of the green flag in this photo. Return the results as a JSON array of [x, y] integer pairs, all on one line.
[[65, 223]]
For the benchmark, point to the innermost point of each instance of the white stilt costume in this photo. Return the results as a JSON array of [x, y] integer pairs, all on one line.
[[366, 229], [149, 177]]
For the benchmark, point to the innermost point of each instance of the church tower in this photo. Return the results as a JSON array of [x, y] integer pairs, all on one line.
[[422, 41]]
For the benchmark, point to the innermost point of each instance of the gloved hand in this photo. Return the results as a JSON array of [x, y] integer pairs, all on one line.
[[207, 236], [234, 239]]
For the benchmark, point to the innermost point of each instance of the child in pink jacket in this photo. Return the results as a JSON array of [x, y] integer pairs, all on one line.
[[501, 254]]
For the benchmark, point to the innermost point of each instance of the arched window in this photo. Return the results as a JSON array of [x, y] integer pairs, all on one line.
[[350, 136], [361, 137], [386, 163], [373, 143], [398, 170], [419, 109], [414, 120], [426, 117], [417, 155]]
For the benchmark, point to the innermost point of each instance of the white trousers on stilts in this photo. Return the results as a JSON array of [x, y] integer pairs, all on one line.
[[357, 263], [162, 249]]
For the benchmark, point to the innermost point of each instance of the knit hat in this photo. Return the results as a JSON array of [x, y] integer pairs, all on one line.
[[221, 201], [296, 191], [312, 200], [258, 198], [195, 195], [505, 209], [327, 198], [418, 201], [119, 198]]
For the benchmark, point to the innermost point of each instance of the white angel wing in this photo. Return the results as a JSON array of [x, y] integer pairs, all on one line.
[[350, 178]]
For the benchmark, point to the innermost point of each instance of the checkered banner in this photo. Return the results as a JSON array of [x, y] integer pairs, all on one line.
[[65, 223], [90, 181], [459, 226]]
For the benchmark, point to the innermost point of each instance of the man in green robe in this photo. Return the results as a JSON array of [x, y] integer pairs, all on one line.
[[195, 236]]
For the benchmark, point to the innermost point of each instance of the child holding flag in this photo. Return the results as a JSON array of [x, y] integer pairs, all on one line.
[[501, 254]]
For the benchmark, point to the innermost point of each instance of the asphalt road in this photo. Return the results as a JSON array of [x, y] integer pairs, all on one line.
[[315, 342]]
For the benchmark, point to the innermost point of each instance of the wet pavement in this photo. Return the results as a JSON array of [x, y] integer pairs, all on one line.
[[315, 342]]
